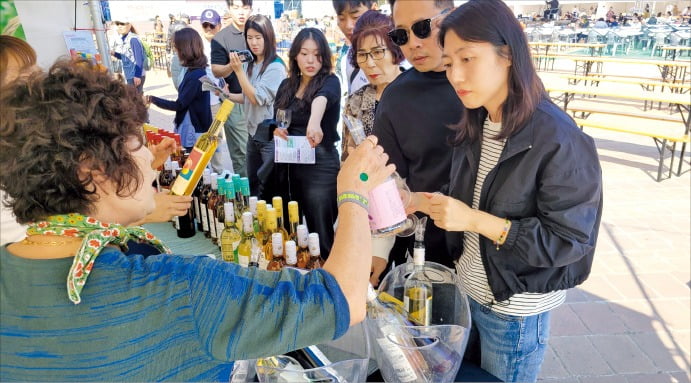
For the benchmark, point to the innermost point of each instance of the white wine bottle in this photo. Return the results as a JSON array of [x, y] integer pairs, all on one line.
[[417, 293], [201, 154], [230, 236]]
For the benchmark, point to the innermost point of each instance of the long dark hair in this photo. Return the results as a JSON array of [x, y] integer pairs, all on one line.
[[284, 97], [262, 24], [190, 48], [492, 21]]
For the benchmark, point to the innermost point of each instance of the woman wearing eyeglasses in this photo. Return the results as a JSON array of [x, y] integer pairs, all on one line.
[[525, 194], [379, 58], [313, 95]]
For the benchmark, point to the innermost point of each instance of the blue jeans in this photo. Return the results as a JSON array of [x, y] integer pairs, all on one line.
[[511, 348], [314, 188]]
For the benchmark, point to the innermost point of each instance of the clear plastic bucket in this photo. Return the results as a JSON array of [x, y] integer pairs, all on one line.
[[439, 348], [349, 358]]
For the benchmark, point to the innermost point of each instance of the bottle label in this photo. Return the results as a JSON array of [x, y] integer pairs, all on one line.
[[196, 207], [205, 221], [219, 226], [385, 206], [212, 224], [418, 303], [400, 364]]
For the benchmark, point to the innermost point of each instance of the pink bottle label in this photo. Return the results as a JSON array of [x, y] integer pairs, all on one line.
[[385, 206]]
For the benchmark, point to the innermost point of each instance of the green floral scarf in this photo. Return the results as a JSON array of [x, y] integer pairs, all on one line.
[[97, 236]]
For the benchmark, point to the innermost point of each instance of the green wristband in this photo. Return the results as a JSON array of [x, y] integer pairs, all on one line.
[[353, 197]]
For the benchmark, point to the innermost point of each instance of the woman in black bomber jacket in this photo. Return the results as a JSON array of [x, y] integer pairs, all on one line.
[[525, 194]]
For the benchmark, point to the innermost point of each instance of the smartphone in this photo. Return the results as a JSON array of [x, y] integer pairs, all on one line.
[[245, 56]]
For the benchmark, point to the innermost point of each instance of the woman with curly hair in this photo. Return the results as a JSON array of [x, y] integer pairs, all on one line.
[[77, 172]]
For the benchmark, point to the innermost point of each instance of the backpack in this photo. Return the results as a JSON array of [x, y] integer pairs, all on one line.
[[148, 55]]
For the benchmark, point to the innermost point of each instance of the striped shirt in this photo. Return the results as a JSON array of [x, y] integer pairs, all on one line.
[[469, 266]]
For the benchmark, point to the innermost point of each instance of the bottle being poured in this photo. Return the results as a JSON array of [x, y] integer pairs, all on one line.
[[387, 202]]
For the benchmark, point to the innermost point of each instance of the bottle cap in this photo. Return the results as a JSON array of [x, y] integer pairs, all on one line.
[[277, 203], [270, 219], [214, 181], [245, 186], [253, 205], [293, 215], [302, 235], [313, 244], [277, 243], [247, 222], [291, 253], [229, 213]]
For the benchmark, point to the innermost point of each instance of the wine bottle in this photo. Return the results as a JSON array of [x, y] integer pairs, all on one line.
[[197, 197], [184, 224], [277, 261], [293, 220], [386, 209], [203, 149], [245, 246], [211, 208], [220, 211], [316, 260], [255, 255], [230, 236], [303, 248], [417, 293], [278, 205], [271, 228], [407, 363], [260, 229]]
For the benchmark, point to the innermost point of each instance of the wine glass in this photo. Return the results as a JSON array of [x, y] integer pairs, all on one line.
[[283, 118]]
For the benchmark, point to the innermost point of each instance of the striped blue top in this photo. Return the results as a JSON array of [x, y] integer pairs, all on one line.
[[162, 317]]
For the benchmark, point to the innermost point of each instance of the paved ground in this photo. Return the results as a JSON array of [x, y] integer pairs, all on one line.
[[630, 321]]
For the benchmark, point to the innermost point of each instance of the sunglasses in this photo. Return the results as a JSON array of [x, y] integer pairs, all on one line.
[[208, 25], [118, 23], [422, 29]]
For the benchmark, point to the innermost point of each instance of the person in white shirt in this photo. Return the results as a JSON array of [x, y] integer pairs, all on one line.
[[212, 24]]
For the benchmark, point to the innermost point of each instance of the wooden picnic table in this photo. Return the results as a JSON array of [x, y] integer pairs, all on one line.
[[593, 47], [682, 102], [671, 71], [671, 50]]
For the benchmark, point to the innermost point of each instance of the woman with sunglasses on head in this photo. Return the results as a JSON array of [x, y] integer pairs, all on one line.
[[259, 81], [130, 51], [313, 94], [378, 58], [192, 111], [76, 308], [525, 198]]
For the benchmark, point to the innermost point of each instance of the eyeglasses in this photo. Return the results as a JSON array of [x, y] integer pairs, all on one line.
[[208, 25], [118, 23], [422, 29], [376, 54]]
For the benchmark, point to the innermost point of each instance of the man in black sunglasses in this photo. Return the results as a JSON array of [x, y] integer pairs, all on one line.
[[415, 111]]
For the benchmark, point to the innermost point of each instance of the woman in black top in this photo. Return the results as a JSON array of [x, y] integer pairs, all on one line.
[[312, 93]]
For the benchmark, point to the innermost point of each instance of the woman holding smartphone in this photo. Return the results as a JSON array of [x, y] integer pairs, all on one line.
[[259, 80]]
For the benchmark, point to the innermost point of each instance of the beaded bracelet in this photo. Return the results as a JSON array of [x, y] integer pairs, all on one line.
[[356, 198], [504, 233]]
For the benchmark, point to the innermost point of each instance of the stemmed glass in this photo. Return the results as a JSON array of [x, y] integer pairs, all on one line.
[[283, 118]]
